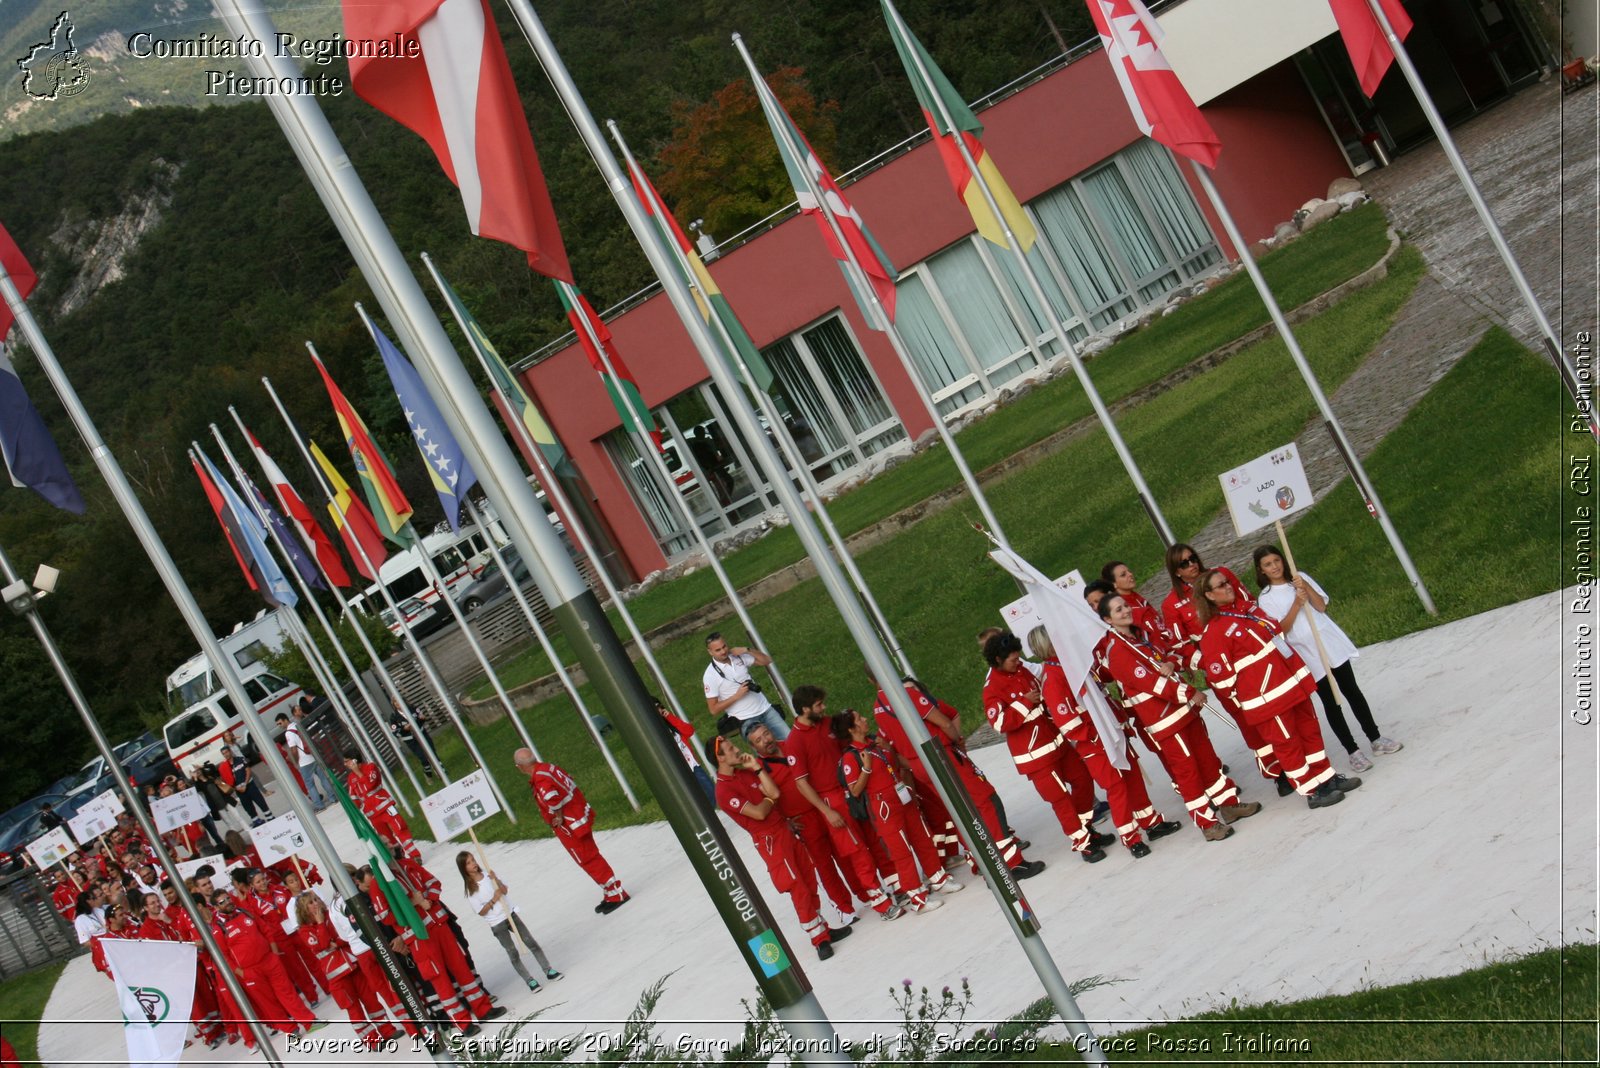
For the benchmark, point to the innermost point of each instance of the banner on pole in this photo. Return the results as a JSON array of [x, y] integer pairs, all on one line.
[[51, 847], [90, 823], [173, 812], [279, 839], [1021, 616], [1266, 489], [465, 803], [155, 991]]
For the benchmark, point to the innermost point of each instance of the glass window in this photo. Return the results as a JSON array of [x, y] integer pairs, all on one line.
[[1176, 214], [938, 357], [1113, 203], [1083, 256], [976, 305]]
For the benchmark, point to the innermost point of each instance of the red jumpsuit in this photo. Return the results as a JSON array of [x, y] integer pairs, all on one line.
[[1166, 706], [210, 985], [439, 960], [837, 881], [1037, 749], [972, 779], [269, 909], [788, 864], [373, 985], [1145, 616], [203, 1010], [565, 809], [1185, 631], [335, 966], [1131, 809], [1272, 688], [261, 972], [896, 818], [366, 789], [814, 754], [65, 899]]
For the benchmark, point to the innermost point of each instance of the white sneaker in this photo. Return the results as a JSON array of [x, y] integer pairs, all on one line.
[[846, 919], [923, 904], [1386, 745], [949, 886], [1360, 762]]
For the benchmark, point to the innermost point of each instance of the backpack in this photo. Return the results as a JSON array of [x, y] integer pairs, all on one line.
[[856, 804]]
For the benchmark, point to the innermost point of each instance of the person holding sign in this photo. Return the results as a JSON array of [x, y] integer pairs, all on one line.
[[567, 812], [488, 898], [1247, 660]]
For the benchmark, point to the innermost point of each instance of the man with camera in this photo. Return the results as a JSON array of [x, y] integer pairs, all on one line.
[[733, 696]]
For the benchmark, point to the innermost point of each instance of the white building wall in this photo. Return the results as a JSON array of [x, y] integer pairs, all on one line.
[[1214, 45]]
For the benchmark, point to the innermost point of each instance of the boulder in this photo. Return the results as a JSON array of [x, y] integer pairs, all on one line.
[[1341, 186], [1310, 205], [1259, 249], [1285, 232], [1353, 199], [1320, 214]]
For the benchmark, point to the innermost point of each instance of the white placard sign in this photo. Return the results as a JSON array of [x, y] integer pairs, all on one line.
[[51, 847], [464, 803], [179, 809], [187, 868], [91, 822], [1266, 489], [280, 838], [110, 802], [1020, 616]]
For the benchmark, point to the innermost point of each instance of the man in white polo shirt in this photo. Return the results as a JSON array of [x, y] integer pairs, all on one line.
[[731, 691]]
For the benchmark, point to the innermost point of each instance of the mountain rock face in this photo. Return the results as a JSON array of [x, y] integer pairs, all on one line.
[[100, 247]]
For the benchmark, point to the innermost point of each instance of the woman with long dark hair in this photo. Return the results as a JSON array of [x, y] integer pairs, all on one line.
[[488, 897]]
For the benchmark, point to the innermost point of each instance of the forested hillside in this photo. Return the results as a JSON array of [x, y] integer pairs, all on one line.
[[183, 254]]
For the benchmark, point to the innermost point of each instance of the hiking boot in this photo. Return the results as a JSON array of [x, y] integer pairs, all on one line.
[[1099, 840], [1325, 795], [1028, 870], [1285, 787], [1384, 745], [1217, 832], [1162, 829], [1093, 855], [1139, 850], [1345, 783], [1240, 811], [837, 933]]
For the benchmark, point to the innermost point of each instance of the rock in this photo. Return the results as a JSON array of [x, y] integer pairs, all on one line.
[[925, 439], [1354, 198], [1260, 248], [1339, 187], [1309, 205], [1098, 343], [1320, 214], [1285, 232]]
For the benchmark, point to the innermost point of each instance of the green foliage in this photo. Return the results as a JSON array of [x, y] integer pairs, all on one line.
[[291, 663], [22, 1002]]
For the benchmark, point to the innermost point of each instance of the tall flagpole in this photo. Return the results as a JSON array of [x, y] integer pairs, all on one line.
[[1565, 365], [314, 658], [1146, 498], [877, 317], [26, 605], [1358, 473], [221, 663], [734, 894]]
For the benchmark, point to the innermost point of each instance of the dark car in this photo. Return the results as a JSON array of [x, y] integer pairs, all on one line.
[[27, 821], [491, 582], [150, 764]]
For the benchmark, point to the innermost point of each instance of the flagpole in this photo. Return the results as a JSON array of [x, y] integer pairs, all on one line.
[[425, 664], [318, 663], [178, 589], [877, 317], [1565, 365], [804, 1016], [169, 864], [1146, 498], [1358, 473]]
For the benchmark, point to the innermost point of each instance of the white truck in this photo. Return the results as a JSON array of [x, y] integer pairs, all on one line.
[[200, 711]]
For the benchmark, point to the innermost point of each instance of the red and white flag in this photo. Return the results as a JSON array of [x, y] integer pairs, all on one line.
[[441, 71], [1161, 106], [1364, 39], [300, 515]]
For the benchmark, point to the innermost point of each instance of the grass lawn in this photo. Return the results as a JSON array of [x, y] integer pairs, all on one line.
[[22, 1002], [1322, 259]]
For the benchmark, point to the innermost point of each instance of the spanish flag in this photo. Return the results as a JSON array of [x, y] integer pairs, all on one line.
[[390, 508]]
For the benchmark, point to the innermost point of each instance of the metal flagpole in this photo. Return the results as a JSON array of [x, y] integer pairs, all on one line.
[[424, 662], [1358, 473], [550, 653], [1565, 365], [1047, 309], [877, 317], [221, 663], [314, 657], [23, 603], [344, 655], [734, 894]]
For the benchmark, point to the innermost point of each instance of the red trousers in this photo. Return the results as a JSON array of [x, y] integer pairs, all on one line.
[[1296, 741], [1053, 784], [906, 840], [274, 996], [377, 992], [1267, 762], [839, 881], [1072, 769], [583, 851], [982, 795], [307, 978], [440, 960], [852, 844], [207, 1021], [1196, 772], [1131, 809], [394, 832], [790, 868]]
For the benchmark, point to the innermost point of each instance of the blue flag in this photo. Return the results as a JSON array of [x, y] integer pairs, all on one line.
[[292, 546], [27, 449], [248, 537], [447, 465]]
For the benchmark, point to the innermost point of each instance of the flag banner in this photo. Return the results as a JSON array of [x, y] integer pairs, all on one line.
[[1266, 489], [453, 478], [707, 295], [155, 991], [51, 847], [246, 536], [378, 858], [933, 92], [22, 276], [29, 452], [1074, 631], [620, 387], [800, 161], [438, 68], [292, 548], [1020, 616], [527, 411], [280, 838], [1160, 105], [183, 807], [464, 803], [1364, 39], [299, 513], [351, 518], [388, 502]]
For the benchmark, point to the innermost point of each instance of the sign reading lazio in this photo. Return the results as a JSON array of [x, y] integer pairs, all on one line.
[[1021, 616], [96, 818], [51, 847], [465, 803], [280, 838], [1266, 489], [179, 809]]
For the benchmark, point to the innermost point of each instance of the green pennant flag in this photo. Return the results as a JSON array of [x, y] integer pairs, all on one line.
[[378, 858]]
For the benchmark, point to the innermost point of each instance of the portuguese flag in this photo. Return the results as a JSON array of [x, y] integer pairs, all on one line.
[[621, 387]]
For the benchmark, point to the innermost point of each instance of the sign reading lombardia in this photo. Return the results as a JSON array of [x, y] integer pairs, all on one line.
[[465, 803], [1266, 489]]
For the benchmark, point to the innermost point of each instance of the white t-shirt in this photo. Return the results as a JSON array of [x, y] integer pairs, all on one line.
[[722, 681], [88, 924], [297, 741], [502, 909], [1276, 601]]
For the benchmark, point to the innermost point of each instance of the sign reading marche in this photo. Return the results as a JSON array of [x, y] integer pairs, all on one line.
[[1266, 489], [51, 847], [465, 803], [179, 809], [1021, 616], [278, 839]]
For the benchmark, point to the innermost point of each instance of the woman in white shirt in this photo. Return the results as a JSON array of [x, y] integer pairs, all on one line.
[[1294, 600], [90, 919], [487, 896]]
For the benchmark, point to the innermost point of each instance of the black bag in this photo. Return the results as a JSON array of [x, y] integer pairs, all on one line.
[[857, 805], [727, 726]]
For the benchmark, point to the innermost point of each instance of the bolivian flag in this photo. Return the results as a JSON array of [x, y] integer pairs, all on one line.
[[390, 508], [939, 98]]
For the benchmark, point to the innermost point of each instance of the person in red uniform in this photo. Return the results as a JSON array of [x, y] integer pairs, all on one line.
[[163, 919], [1131, 809], [1169, 709], [564, 808], [438, 958], [117, 926], [747, 792], [1014, 706], [1184, 629], [336, 966], [255, 961], [1124, 583], [808, 824], [1247, 658], [270, 900], [365, 786], [814, 755], [64, 896], [373, 985]]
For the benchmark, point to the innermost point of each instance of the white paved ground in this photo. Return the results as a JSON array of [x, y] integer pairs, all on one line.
[[1474, 843]]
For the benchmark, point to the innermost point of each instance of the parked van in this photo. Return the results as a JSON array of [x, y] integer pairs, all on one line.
[[194, 735]]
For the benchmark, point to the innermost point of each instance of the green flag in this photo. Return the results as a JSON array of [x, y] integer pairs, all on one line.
[[394, 891]]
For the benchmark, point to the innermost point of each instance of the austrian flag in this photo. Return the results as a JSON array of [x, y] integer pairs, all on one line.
[[1161, 106]]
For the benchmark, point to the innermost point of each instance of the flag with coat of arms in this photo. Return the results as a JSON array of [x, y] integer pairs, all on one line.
[[1161, 107], [155, 990]]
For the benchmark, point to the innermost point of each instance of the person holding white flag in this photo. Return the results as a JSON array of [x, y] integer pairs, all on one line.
[[155, 990]]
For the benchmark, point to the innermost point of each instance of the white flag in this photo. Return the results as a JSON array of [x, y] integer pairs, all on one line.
[[155, 990]]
